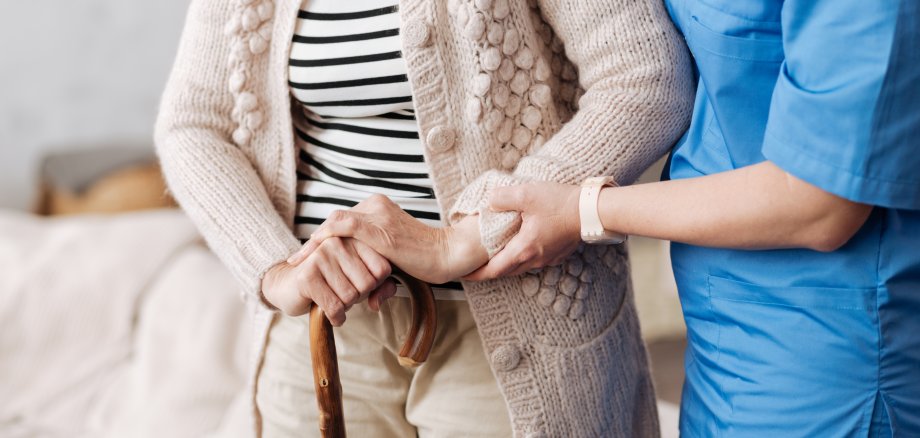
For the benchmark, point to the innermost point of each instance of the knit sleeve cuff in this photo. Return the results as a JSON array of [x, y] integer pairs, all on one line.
[[495, 228], [274, 247]]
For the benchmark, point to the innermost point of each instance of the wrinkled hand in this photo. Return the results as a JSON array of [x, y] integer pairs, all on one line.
[[550, 229], [434, 255], [336, 276]]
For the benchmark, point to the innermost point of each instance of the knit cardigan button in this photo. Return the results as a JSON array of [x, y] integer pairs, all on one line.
[[265, 10], [257, 44], [505, 130], [530, 284], [561, 305], [520, 138], [441, 138], [496, 33], [250, 19], [501, 9], [417, 34], [506, 358], [552, 275], [491, 59], [475, 27], [569, 285], [531, 117], [493, 120], [481, 84], [523, 58], [541, 95], [546, 297], [514, 106], [577, 310], [520, 82], [511, 42], [506, 70], [509, 160]]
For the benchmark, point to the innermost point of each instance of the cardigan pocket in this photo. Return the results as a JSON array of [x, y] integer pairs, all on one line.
[[581, 300]]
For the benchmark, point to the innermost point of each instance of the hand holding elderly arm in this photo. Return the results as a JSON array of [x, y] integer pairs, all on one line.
[[755, 207]]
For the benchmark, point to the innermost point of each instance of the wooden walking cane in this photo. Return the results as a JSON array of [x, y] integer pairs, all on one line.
[[325, 363]]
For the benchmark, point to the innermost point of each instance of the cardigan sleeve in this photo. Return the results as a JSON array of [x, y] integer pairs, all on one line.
[[637, 77], [207, 173]]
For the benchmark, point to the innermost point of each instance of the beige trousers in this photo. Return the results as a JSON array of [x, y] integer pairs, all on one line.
[[453, 394]]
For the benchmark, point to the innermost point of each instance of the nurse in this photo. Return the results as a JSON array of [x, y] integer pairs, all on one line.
[[794, 208]]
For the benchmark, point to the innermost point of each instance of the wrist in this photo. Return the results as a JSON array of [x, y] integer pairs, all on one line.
[[269, 282], [571, 219], [463, 248]]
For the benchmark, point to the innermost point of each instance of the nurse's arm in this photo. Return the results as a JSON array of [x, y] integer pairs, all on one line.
[[754, 207]]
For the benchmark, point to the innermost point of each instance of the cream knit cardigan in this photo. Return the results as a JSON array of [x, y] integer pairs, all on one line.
[[505, 91]]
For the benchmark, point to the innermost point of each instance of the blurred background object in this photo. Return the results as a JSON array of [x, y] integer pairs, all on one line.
[[78, 74], [101, 180], [81, 83]]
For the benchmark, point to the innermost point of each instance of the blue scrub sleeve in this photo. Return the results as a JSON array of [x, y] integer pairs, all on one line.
[[845, 113]]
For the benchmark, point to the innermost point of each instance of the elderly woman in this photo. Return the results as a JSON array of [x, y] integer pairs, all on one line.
[[278, 114]]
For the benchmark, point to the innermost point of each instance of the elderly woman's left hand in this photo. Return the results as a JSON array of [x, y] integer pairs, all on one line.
[[431, 254]]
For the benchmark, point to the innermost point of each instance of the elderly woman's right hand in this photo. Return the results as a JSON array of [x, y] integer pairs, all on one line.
[[340, 273]]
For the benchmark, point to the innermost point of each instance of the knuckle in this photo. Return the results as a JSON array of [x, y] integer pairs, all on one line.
[[366, 285], [335, 307], [527, 254], [349, 295], [380, 270], [336, 216], [304, 274]]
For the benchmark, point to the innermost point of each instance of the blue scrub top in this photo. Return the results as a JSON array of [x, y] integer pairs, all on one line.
[[799, 343]]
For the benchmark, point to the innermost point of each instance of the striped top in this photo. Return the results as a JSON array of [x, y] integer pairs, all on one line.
[[358, 136]]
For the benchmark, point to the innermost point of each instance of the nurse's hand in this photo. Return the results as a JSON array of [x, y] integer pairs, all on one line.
[[338, 274], [434, 255], [550, 229]]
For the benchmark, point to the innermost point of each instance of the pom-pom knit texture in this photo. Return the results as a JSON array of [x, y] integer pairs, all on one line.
[[505, 91]]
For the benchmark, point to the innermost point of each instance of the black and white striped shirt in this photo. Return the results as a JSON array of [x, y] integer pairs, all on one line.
[[358, 135]]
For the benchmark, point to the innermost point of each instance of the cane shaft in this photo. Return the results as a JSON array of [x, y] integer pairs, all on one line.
[[326, 376]]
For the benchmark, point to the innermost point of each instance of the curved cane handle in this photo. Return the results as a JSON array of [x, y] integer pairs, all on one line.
[[420, 338]]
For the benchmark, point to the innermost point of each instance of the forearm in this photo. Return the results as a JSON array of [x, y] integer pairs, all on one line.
[[755, 207]]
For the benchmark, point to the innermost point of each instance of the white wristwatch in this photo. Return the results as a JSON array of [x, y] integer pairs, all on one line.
[[592, 231]]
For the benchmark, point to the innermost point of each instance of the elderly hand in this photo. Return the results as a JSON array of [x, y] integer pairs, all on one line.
[[550, 229], [435, 255], [337, 275]]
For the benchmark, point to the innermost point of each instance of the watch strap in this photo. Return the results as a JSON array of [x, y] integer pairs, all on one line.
[[592, 230]]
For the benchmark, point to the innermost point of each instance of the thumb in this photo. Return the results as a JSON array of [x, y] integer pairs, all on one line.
[[509, 198]]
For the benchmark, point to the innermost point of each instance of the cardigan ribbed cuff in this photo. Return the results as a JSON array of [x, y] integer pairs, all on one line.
[[495, 228]]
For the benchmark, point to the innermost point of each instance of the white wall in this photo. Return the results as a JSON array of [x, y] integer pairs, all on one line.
[[75, 73]]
